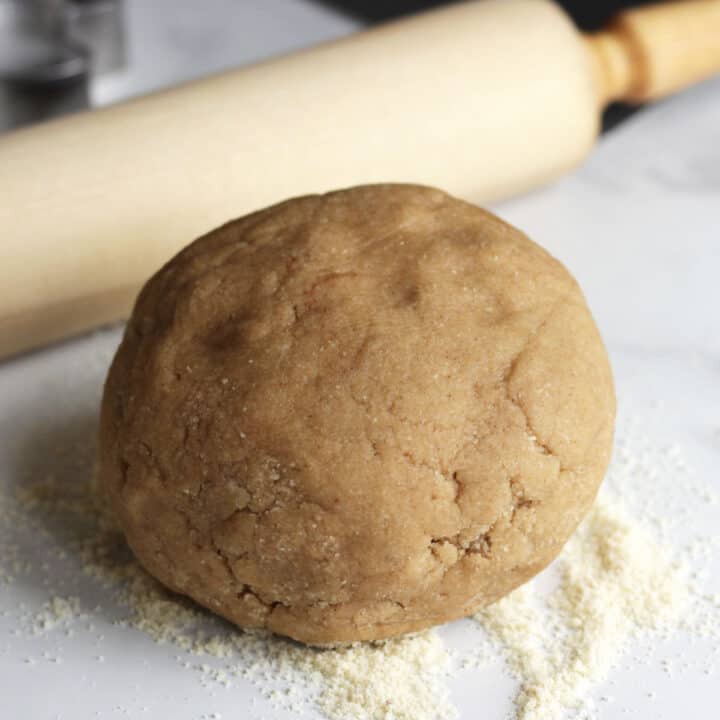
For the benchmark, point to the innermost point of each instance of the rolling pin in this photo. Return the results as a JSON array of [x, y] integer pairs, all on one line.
[[483, 99]]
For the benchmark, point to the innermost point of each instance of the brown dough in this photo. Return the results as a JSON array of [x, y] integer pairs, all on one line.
[[356, 415]]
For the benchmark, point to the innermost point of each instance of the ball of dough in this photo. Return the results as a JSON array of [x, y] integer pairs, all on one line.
[[355, 415]]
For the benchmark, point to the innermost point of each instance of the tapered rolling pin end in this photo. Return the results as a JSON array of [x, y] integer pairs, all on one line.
[[650, 52]]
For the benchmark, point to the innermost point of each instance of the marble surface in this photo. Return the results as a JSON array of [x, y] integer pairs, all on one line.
[[639, 226]]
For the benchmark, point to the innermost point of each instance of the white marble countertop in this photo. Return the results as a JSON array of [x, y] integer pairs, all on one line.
[[639, 226]]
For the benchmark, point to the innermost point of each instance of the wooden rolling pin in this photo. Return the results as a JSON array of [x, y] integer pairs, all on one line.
[[483, 99]]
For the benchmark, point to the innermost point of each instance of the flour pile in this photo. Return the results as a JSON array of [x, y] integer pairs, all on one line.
[[615, 584], [626, 575]]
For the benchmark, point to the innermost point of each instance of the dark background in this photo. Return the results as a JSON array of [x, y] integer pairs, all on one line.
[[588, 15]]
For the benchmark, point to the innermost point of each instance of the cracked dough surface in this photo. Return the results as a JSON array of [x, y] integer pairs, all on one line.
[[356, 415]]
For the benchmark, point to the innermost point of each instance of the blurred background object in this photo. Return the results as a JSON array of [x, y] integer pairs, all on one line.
[[59, 56], [99, 27], [49, 49], [42, 72]]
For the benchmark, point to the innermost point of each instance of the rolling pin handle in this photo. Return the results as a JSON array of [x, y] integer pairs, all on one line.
[[650, 52], [614, 66]]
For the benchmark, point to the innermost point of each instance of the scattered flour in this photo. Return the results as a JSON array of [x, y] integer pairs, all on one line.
[[631, 571], [398, 679], [615, 584], [401, 679], [56, 612]]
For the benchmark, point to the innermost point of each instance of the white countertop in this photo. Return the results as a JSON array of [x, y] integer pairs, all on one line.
[[638, 225]]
